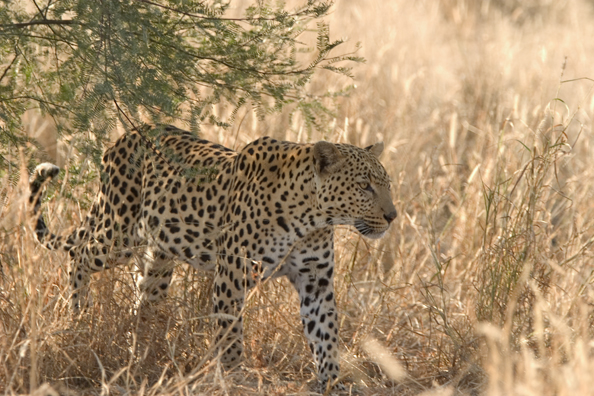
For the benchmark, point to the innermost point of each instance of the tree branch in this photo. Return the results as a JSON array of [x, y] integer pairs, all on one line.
[[207, 18], [21, 25], [9, 66]]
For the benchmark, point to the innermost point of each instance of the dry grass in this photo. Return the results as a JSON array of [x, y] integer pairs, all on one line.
[[484, 284]]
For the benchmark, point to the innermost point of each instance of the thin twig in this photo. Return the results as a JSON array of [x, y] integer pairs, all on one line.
[[149, 144]]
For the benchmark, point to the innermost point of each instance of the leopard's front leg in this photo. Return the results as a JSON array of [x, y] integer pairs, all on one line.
[[313, 277], [229, 291]]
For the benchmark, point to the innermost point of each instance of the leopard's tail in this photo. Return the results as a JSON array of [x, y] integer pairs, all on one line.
[[39, 178]]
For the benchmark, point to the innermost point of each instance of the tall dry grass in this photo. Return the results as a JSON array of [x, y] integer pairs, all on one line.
[[484, 284]]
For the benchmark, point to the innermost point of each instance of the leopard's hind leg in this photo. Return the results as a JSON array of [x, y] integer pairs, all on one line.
[[88, 259], [157, 269]]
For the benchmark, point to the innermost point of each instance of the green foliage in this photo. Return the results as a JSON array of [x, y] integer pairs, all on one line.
[[87, 63]]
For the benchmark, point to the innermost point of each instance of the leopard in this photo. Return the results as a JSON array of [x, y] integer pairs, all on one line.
[[265, 211]]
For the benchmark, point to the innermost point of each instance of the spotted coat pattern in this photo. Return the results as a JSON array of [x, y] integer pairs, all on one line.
[[265, 211]]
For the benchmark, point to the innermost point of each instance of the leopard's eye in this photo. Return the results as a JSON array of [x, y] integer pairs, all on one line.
[[365, 186]]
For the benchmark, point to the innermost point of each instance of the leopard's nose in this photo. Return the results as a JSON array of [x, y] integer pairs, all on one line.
[[390, 216]]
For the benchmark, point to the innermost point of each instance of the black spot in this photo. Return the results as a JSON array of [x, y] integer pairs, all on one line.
[[281, 222], [163, 237], [153, 221]]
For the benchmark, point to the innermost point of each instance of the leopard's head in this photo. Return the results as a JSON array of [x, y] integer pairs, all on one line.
[[353, 187]]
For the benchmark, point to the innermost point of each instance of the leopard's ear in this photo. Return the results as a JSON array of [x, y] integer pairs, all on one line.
[[328, 158], [376, 149]]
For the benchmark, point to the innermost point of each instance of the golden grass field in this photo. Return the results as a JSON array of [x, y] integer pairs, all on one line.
[[484, 284]]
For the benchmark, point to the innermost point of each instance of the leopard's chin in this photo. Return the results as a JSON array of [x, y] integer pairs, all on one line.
[[369, 231]]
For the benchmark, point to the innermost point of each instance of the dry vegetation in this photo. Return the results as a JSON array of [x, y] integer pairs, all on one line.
[[484, 284]]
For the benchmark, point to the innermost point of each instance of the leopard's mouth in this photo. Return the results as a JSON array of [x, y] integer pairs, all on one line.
[[370, 231]]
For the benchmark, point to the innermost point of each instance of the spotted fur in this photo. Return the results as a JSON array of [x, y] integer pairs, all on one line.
[[265, 211]]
